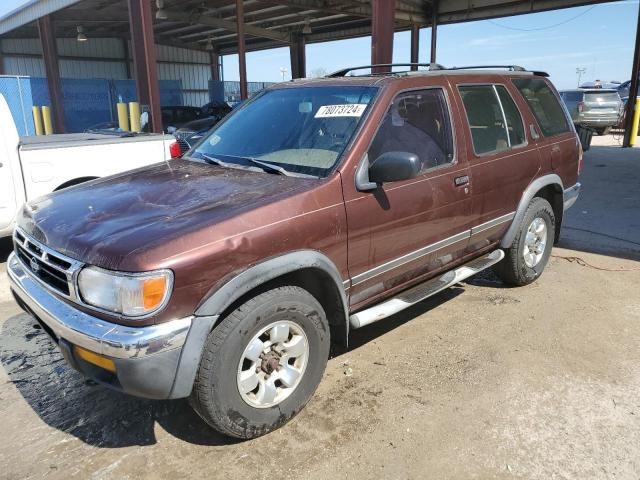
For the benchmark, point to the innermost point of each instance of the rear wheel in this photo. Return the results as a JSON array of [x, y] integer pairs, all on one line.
[[263, 363], [529, 253]]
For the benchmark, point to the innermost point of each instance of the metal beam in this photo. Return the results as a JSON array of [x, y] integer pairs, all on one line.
[[633, 89], [434, 30], [144, 60], [415, 45], [242, 60], [298, 58], [382, 32], [50, 57], [227, 25]]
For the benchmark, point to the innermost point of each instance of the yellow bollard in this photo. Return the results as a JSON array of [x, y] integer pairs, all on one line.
[[46, 117], [635, 124], [123, 118], [134, 115], [37, 120]]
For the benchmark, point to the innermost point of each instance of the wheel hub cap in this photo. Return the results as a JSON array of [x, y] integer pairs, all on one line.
[[273, 364], [535, 242]]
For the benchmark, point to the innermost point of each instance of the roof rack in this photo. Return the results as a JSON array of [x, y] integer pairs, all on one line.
[[511, 68], [344, 71]]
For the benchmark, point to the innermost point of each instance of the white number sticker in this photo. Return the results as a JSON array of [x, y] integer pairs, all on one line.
[[352, 110]]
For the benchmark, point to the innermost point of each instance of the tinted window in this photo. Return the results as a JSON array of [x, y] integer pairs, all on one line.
[[488, 129], [302, 129], [544, 105], [419, 123], [572, 96], [515, 127]]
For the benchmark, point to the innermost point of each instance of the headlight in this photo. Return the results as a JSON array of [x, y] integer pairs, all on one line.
[[132, 294]]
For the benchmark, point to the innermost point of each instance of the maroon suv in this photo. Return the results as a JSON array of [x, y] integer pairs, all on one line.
[[317, 207]]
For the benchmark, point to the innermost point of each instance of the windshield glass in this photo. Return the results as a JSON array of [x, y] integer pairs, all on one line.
[[303, 130]]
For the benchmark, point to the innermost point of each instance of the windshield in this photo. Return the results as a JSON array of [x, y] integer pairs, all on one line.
[[303, 130]]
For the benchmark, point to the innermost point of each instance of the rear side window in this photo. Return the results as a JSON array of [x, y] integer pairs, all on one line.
[[486, 120], [544, 105], [417, 122]]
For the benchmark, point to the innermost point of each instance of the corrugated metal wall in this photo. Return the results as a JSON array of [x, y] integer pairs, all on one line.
[[105, 58]]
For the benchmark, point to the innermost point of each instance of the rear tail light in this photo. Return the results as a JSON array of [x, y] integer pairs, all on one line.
[[580, 107], [174, 150]]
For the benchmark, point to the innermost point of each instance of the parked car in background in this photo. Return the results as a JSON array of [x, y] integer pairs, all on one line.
[[189, 133], [595, 108], [177, 116], [34, 166], [318, 207]]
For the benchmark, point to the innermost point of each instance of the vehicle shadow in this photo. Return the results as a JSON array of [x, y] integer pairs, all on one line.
[[98, 416], [101, 417]]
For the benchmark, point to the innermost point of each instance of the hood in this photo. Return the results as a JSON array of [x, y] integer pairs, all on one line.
[[104, 221]]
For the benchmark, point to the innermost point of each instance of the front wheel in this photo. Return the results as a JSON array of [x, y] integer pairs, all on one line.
[[262, 363], [529, 253]]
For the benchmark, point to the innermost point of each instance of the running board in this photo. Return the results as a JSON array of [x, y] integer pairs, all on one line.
[[424, 290]]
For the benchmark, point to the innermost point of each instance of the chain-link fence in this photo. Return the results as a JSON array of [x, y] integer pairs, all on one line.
[[17, 92], [232, 90]]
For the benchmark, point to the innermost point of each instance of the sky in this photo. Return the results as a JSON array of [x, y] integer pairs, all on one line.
[[597, 38]]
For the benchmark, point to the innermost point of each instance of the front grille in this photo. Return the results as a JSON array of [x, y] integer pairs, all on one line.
[[53, 269]]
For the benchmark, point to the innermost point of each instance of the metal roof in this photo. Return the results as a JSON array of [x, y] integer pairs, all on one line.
[[268, 23]]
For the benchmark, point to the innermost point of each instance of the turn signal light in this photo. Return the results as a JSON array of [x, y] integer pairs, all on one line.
[[95, 359], [153, 290]]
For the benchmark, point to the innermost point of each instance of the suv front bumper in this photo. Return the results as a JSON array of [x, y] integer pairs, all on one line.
[[148, 360]]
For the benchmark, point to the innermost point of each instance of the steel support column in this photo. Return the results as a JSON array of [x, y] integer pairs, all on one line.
[[52, 70], [415, 45], [144, 60], [242, 60], [633, 90], [214, 59], [382, 27], [297, 54], [434, 29]]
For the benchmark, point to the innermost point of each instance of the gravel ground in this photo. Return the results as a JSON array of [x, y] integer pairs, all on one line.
[[481, 381]]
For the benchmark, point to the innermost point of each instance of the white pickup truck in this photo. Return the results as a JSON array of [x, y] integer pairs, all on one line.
[[34, 166]]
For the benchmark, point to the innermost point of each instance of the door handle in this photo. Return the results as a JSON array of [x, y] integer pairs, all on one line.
[[460, 181]]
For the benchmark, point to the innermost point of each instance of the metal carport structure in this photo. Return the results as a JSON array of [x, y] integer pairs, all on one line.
[[222, 27]]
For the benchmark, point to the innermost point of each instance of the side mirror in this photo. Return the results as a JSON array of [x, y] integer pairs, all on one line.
[[394, 167]]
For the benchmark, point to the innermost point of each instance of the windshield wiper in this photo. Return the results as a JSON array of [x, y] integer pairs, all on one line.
[[270, 166], [217, 161]]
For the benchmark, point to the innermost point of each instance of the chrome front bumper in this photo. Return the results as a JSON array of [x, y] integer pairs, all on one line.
[[571, 195], [89, 332]]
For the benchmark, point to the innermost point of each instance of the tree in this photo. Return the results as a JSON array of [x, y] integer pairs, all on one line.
[[318, 72]]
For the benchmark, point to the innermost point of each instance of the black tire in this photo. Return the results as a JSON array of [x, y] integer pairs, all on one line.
[[513, 269], [216, 397]]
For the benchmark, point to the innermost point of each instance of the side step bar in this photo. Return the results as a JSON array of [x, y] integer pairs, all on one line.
[[424, 290]]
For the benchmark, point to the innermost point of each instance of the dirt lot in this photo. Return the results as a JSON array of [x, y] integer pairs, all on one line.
[[480, 382]]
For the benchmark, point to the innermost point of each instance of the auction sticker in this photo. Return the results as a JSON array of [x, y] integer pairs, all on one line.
[[351, 110]]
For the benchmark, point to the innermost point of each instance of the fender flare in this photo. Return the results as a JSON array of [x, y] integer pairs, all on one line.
[[267, 270], [530, 192], [208, 313]]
